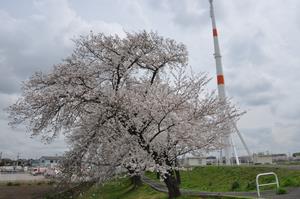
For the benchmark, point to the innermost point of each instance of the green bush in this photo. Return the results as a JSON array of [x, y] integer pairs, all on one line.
[[235, 185], [9, 184], [13, 184], [280, 191], [51, 182], [251, 185], [289, 182]]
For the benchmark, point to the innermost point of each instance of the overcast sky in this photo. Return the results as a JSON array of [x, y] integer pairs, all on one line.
[[259, 41]]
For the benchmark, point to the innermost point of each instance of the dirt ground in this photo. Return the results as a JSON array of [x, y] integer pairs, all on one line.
[[24, 191]]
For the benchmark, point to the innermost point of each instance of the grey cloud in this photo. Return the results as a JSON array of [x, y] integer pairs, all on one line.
[[257, 139], [14, 141], [247, 49], [9, 84], [34, 43], [252, 89], [289, 109], [186, 14]]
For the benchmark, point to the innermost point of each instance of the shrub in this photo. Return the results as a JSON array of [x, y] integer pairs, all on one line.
[[51, 182], [251, 185], [235, 185], [9, 184], [13, 184], [280, 191], [289, 182]]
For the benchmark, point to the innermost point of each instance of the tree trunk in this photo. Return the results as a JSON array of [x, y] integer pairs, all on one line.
[[178, 177], [136, 180], [157, 175], [172, 185]]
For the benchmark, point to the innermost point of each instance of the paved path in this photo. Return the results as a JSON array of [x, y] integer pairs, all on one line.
[[293, 193], [10, 177]]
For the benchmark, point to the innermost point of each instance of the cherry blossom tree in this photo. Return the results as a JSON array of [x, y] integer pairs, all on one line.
[[125, 102]]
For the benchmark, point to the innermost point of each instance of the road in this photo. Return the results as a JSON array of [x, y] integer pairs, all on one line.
[[292, 193], [12, 177]]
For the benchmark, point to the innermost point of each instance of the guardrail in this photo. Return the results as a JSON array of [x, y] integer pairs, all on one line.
[[266, 184]]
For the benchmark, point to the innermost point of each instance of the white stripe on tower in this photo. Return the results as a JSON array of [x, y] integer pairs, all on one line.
[[220, 78]]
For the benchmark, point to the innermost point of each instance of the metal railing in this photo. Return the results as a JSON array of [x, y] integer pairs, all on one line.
[[266, 184]]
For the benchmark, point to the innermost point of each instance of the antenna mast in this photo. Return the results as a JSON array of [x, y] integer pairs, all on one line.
[[220, 78], [227, 140]]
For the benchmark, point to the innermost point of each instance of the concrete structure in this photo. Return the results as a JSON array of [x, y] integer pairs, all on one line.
[[281, 157], [198, 161], [262, 159], [192, 161], [242, 160], [296, 156], [211, 160]]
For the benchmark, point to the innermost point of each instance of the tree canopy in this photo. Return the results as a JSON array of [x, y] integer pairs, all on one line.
[[124, 102]]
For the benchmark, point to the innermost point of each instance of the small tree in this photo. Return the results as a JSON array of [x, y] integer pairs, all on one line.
[[124, 102]]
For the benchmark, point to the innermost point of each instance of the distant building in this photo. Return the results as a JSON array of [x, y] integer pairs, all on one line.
[[281, 157], [198, 161], [193, 161], [296, 156], [242, 160], [49, 161], [34, 163], [211, 160], [6, 162], [262, 159]]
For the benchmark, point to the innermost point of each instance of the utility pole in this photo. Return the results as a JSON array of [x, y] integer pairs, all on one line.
[[18, 156]]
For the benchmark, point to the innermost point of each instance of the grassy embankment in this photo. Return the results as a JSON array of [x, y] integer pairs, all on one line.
[[123, 189], [211, 178], [224, 179]]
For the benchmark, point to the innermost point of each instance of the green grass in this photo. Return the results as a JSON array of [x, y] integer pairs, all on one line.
[[210, 178], [123, 189], [120, 188], [242, 178]]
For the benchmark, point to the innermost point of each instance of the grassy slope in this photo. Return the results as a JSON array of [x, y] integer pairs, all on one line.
[[200, 178], [123, 189], [213, 178]]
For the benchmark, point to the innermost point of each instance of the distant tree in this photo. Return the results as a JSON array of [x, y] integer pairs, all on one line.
[[124, 102]]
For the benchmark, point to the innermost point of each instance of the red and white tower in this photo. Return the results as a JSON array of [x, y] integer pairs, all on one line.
[[227, 140]]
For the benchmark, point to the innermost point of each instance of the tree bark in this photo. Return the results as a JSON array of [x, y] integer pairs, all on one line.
[[178, 177], [157, 175], [172, 185], [136, 180]]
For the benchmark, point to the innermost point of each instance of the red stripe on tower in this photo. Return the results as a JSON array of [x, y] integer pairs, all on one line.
[[220, 79], [215, 32]]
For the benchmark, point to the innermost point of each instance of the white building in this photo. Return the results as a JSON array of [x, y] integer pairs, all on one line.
[[193, 161], [262, 159], [49, 161], [296, 156], [281, 157], [211, 160]]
